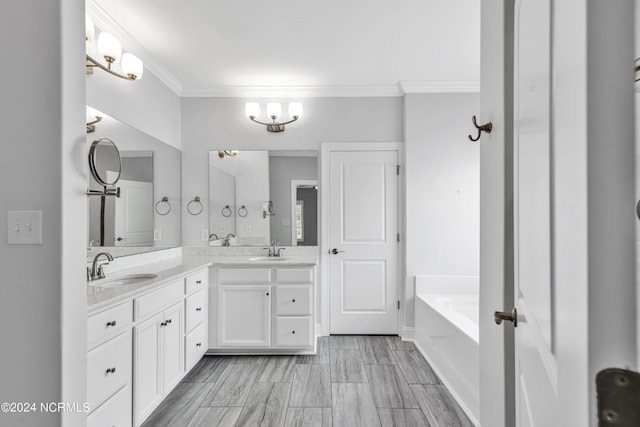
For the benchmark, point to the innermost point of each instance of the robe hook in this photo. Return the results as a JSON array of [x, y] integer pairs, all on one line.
[[482, 128]]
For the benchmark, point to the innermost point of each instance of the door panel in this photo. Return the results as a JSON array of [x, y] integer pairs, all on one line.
[[134, 214], [363, 222], [536, 394]]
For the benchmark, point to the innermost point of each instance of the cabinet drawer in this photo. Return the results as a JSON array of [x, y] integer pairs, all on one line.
[[154, 302], [115, 412], [294, 332], [293, 300], [244, 275], [294, 275], [108, 368], [196, 281], [196, 309], [108, 323], [195, 347]]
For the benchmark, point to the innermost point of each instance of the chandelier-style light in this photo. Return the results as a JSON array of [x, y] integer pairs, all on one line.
[[111, 50], [252, 110]]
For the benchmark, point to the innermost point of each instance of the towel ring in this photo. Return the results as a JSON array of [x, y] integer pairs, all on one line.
[[163, 207], [198, 207], [226, 211], [242, 210]]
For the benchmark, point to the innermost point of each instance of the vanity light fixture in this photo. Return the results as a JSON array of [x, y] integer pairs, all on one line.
[[231, 153], [93, 117], [111, 49], [252, 110]]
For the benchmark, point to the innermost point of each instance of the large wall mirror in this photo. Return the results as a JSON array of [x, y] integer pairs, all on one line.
[[146, 216], [256, 197]]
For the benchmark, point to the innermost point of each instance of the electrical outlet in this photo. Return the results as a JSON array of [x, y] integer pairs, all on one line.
[[204, 235], [157, 235], [24, 227]]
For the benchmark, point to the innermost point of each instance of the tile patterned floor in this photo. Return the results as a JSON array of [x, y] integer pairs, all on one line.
[[353, 381]]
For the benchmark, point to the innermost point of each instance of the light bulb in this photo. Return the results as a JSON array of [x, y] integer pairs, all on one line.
[[252, 109], [89, 29], [132, 66], [295, 109], [274, 110], [109, 47]]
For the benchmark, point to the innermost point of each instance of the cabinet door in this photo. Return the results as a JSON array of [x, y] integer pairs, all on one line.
[[244, 315], [171, 329], [147, 388]]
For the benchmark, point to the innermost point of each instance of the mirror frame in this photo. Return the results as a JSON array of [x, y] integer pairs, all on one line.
[[92, 163]]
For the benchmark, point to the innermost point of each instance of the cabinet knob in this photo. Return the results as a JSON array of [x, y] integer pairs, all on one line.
[[168, 321], [198, 308], [293, 300], [111, 370], [112, 323], [199, 344], [267, 293], [293, 332], [198, 281], [163, 324]]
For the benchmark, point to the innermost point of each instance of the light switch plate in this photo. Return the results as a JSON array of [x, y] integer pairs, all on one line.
[[24, 227], [204, 234], [157, 235]]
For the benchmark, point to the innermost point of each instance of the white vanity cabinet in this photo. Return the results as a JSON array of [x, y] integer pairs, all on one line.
[[140, 348], [196, 317], [263, 309], [158, 352], [109, 366]]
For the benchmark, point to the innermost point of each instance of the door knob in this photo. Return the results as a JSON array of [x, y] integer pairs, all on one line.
[[511, 316], [120, 239], [335, 251]]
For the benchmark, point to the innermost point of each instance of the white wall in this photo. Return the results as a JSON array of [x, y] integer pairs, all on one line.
[[42, 166], [442, 188], [220, 123]]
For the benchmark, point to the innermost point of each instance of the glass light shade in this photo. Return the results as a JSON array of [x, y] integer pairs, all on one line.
[[93, 114], [109, 46], [274, 109], [252, 109], [132, 66], [89, 29], [295, 109]]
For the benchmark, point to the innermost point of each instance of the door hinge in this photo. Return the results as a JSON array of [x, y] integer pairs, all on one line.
[[397, 169], [398, 304]]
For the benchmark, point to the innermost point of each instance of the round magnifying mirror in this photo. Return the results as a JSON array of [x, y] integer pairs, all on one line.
[[104, 161]]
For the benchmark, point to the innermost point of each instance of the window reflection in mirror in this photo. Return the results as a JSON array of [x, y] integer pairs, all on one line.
[[150, 171], [247, 183]]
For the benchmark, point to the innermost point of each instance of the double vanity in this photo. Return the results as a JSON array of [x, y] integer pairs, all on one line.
[[149, 325]]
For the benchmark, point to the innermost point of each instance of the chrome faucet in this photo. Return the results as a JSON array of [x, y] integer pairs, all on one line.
[[226, 240], [213, 235], [274, 250], [97, 271]]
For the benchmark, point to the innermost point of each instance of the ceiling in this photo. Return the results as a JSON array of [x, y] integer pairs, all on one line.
[[229, 48]]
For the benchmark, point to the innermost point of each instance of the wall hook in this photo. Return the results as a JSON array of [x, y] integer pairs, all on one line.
[[483, 128]]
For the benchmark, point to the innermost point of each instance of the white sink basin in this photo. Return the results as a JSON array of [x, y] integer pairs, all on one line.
[[123, 280], [268, 258]]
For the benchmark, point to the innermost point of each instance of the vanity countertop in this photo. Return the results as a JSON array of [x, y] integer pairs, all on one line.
[[166, 271], [170, 269]]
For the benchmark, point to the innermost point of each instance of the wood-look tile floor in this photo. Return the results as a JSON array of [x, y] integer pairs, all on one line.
[[352, 381]]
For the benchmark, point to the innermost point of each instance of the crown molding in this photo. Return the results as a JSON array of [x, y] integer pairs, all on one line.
[[443, 86], [346, 91], [105, 22]]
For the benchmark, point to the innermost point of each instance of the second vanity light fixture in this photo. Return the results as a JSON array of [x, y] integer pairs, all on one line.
[[252, 110], [111, 49]]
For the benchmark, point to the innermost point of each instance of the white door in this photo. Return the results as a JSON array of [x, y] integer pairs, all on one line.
[[134, 214], [363, 227]]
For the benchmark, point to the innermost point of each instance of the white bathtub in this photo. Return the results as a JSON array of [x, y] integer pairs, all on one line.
[[446, 332]]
